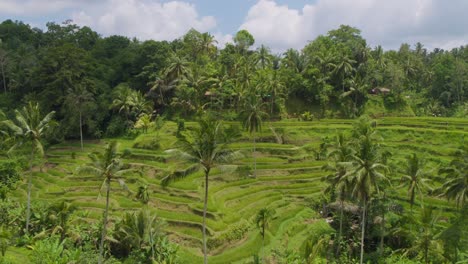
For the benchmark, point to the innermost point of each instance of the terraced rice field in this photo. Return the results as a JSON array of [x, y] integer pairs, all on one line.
[[288, 178]]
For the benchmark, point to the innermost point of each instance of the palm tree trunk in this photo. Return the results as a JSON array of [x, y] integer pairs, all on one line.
[[382, 235], [263, 242], [104, 226], [363, 230], [340, 234], [81, 131], [28, 203], [254, 156], [205, 207]]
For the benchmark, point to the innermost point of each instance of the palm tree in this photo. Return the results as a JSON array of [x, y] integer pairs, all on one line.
[[139, 231], [344, 68], [295, 61], [144, 122], [413, 178], [109, 166], [178, 67], [263, 221], [61, 212], [274, 87], [253, 116], [365, 175], [143, 194], [164, 85], [263, 56], [30, 127], [207, 147], [76, 99], [207, 43], [456, 186], [120, 102], [341, 153], [427, 238]]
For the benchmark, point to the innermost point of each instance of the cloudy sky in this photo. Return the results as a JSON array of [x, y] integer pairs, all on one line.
[[280, 24]]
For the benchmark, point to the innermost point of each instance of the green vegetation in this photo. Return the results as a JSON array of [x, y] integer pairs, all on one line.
[[365, 158]]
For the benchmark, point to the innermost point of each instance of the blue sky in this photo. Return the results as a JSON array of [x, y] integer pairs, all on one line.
[[280, 24]]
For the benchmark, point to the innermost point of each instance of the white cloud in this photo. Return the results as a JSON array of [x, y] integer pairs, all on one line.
[[144, 19], [435, 23], [34, 7]]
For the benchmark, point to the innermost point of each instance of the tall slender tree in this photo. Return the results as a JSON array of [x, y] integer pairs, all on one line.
[[456, 185], [262, 221], [341, 153], [76, 99], [414, 178], [206, 147], [29, 127], [366, 172], [108, 166], [253, 116]]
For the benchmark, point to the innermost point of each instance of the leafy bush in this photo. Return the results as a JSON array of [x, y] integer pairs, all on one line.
[[9, 173], [117, 126], [307, 116]]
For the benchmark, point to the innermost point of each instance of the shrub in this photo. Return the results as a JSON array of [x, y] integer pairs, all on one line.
[[9, 173]]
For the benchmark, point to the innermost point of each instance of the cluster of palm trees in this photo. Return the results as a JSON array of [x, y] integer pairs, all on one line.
[[360, 173]]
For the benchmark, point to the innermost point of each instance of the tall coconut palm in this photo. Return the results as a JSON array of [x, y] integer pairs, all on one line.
[[456, 185], [207, 147], [341, 153], [263, 56], [109, 167], [29, 127], [426, 241], [414, 178], [274, 87], [366, 173], [262, 221], [253, 116], [178, 67], [76, 99], [208, 42], [343, 69]]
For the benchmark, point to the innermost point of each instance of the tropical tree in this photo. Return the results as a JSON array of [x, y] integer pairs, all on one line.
[[341, 153], [3, 65], [274, 87], [76, 99], [262, 221], [140, 231], [144, 122], [426, 244], [366, 171], [143, 194], [61, 213], [414, 178], [344, 68], [29, 127], [253, 116], [263, 56], [5, 237], [207, 147], [178, 67], [109, 166], [456, 185]]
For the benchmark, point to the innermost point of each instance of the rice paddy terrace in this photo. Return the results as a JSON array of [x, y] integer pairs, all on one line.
[[288, 177]]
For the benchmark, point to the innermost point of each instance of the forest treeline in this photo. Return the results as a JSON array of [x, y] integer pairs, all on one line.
[[106, 85]]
